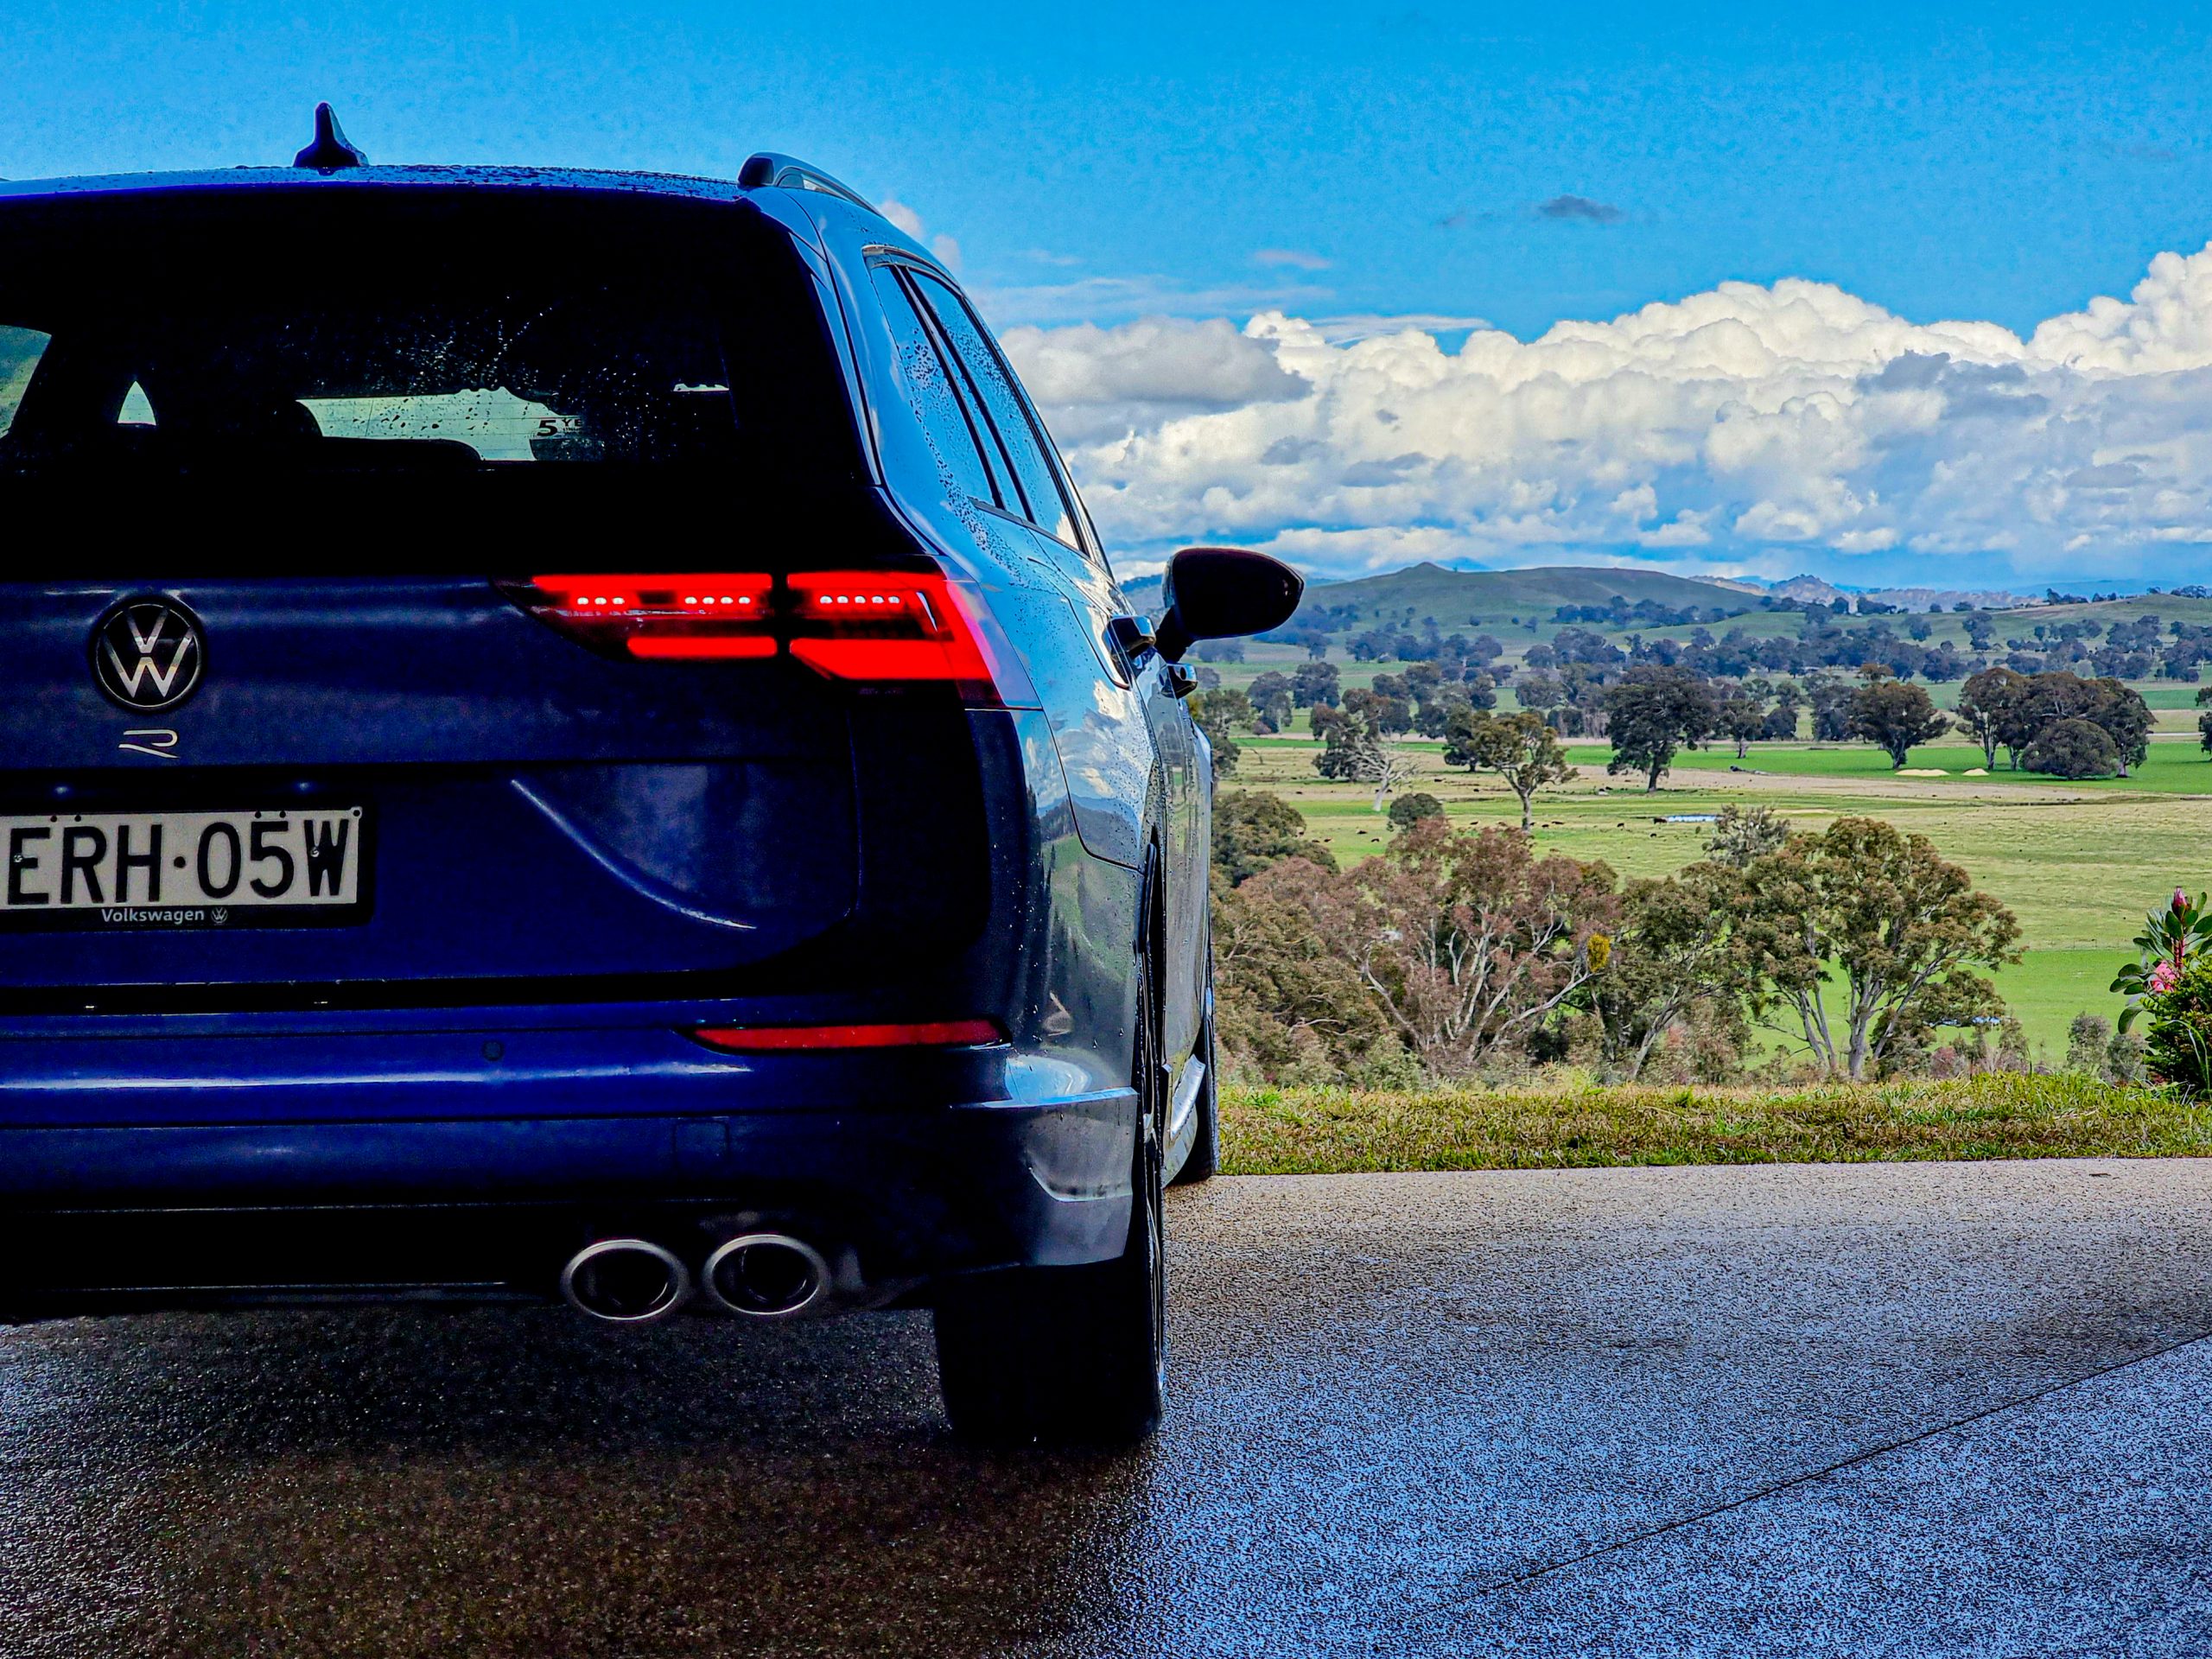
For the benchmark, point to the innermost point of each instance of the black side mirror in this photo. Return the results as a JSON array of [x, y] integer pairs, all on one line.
[[1217, 593]]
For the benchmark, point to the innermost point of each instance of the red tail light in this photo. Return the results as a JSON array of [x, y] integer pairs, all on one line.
[[767, 1039], [662, 617], [864, 626]]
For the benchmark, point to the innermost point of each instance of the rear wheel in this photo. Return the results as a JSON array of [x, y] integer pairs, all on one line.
[[1071, 1354]]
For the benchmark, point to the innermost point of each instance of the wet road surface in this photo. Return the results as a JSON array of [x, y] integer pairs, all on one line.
[[1900, 1410]]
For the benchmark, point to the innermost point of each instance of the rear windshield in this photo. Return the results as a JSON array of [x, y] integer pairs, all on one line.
[[309, 333]]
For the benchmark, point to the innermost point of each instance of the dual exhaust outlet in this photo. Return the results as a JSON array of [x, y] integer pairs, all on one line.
[[754, 1276]]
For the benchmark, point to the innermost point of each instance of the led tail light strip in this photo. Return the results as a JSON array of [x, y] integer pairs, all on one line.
[[869, 628]]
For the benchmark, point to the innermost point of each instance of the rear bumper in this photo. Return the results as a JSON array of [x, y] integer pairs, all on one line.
[[487, 1190]]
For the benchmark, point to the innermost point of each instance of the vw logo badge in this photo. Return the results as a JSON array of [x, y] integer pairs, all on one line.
[[148, 654]]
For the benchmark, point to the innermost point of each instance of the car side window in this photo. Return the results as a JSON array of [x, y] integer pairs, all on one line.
[[1047, 504], [948, 422]]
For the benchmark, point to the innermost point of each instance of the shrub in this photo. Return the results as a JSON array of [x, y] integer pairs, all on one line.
[[1410, 810], [2172, 935], [2177, 1047], [2125, 1057], [2088, 1044], [1252, 829]]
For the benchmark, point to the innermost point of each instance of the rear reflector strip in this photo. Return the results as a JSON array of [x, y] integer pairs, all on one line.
[[767, 1039], [866, 627]]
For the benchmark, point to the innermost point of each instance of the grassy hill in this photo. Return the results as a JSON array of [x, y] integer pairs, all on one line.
[[1458, 599]]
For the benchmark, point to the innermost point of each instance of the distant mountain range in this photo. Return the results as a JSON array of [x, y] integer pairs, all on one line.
[[1904, 599]]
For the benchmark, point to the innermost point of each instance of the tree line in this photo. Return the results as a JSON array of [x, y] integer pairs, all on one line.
[[2055, 722], [1459, 953]]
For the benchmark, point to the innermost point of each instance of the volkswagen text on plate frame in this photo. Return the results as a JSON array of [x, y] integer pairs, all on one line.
[[568, 735]]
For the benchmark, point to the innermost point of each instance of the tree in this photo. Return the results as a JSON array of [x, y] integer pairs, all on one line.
[[1541, 692], [1283, 1000], [2072, 748], [2126, 719], [1673, 950], [1893, 716], [2204, 720], [1410, 810], [1781, 722], [1831, 711], [1434, 716], [1902, 928], [1988, 703], [1652, 713], [1252, 830], [1314, 684], [1271, 699], [1742, 835], [1742, 716], [1384, 709], [1466, 941], [1354, 752], [1520, 748], [1214, 713]]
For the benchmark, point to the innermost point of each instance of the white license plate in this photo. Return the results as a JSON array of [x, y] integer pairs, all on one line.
[[183, 869]]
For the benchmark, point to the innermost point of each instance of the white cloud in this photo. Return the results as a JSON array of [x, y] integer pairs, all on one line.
[[1100, 299], [1744, 429], [1296, 258], [944, 247], [1366, 325], [1106, 382]]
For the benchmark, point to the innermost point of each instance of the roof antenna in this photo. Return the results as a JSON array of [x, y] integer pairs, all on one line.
[[330, 151]]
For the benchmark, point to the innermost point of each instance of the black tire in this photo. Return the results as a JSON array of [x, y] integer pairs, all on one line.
[[1070, 1356], [1204, 1162]]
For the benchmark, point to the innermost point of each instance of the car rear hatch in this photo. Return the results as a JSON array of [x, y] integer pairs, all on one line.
[[290, 706]]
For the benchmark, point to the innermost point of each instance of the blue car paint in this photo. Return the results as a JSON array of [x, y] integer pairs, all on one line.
[[257, 1071]]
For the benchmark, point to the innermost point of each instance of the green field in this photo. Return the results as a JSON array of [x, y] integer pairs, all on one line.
[[2079, 863]]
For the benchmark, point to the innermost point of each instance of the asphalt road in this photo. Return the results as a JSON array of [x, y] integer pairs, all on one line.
[[1903, 1409]]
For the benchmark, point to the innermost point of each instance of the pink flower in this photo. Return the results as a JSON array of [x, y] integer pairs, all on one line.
[[2181, 900], [2164, 977]]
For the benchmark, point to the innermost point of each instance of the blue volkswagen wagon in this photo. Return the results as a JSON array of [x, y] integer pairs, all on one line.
[[567, 735]]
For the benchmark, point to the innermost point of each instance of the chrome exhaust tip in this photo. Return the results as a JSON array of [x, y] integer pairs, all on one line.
[[766, 1276], [626, 1281]]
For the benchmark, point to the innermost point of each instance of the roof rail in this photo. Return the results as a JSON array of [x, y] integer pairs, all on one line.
[[790, 174]]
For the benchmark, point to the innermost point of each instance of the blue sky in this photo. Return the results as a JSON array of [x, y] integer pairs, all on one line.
[[1518, 165]]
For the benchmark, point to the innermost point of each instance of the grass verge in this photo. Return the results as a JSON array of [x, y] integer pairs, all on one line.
[[1341, 1131]]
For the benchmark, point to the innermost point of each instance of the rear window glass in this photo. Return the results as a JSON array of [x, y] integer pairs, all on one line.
[[442, 334], [20, 351]]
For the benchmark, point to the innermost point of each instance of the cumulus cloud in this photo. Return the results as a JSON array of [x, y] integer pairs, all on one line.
[[1580, 208], [1100, 383], [1741, 430]]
